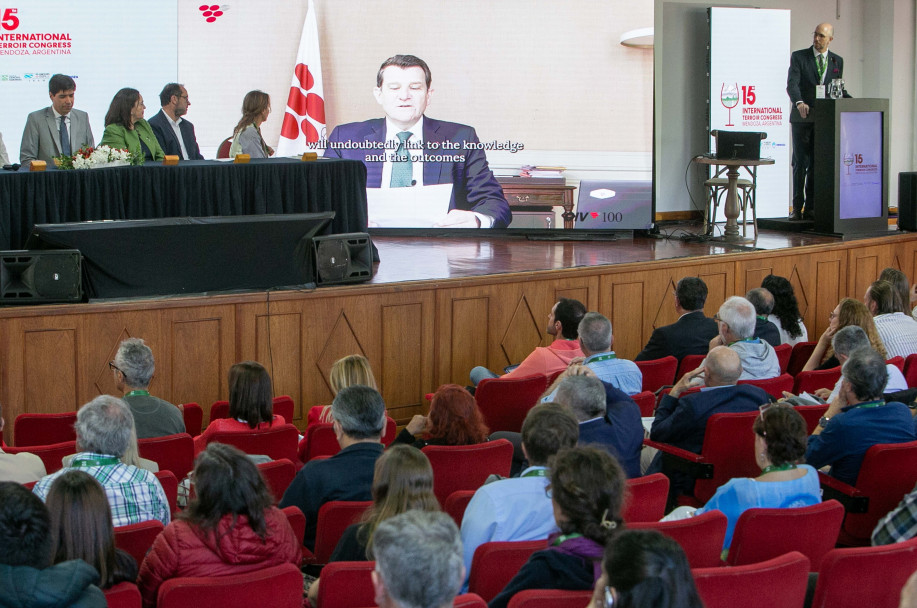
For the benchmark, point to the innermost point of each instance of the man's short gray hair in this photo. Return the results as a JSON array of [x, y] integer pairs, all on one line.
[[739, 315], [360, 411], [848, 339], [761, 299], [866, 371], [419, 558], [135, 360], [104, 426], [584, 395], [595, 332]]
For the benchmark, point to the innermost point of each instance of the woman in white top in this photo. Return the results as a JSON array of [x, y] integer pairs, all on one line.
[[256, 106], [786, 310]]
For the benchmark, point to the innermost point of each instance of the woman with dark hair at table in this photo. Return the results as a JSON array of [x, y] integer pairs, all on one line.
[[246, 137], [786, 310], [125, 128]]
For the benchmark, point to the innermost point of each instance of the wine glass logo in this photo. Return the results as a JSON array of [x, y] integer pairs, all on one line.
[[729, 97], [848, 160]]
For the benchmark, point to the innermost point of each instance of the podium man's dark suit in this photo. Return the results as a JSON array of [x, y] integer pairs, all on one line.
[[689, 335], [162, 129]]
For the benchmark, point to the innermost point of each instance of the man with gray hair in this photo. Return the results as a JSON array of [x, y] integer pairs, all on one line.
[[736, 323], [358, 418], [763, 301], [133, 369], [103, 434], [418, 561], [858, 419], [845, 341]]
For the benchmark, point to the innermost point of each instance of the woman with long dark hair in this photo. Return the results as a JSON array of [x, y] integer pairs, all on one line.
[[125, 128], [786, 310], [454, 420], [246, 137]]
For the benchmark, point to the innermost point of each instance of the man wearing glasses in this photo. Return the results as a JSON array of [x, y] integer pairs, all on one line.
[[174, 133], [133, 370]]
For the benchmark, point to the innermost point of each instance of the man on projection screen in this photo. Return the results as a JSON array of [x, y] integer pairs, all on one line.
[[809, 68], [414, 150]]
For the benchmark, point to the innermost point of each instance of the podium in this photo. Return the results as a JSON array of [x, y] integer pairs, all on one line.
[[851, 165]]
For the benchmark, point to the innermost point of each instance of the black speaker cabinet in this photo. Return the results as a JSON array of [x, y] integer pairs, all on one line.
[[342, 258], [907, 201], [37, 277]]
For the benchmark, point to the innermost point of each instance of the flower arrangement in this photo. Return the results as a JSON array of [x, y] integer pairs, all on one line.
[[95, 158]]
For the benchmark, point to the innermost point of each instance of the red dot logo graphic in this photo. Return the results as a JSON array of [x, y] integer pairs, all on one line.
[[210, 12]]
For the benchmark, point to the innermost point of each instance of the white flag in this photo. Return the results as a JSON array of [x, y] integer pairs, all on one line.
[[304, 120]]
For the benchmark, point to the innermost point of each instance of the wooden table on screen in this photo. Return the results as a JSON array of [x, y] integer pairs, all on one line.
[[731, 207], [539, 194]]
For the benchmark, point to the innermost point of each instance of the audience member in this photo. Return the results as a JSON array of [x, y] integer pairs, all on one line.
[[103, 432], [901, 285], [858, 419], [4, 156], [848, 312], [58, 129], [736, 321], [897, 330], [587, 490], [900, 524], [517, 509], [546, 360], [786, 310], [454, 420], [847, 340], [246, 137], [347, 371], [27, 578], [22, 467], [81, 528], [691, 333], [763, 302], [125, 128], [175, 134], [133, 369], [229, 528], [358, 414], [418, 561]]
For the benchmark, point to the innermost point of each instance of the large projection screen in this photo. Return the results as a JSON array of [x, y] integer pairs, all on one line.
[[749, 48]]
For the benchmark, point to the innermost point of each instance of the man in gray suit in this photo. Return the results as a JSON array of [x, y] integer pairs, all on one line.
[[58, 129]]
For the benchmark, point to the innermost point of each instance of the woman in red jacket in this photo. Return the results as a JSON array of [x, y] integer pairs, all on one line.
[[230, 527]]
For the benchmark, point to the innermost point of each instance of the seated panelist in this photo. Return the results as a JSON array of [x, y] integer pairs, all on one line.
[[125, 128], [246, 137]]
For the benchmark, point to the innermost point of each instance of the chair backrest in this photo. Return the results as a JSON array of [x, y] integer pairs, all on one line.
[[469, 600], [297, 521], [783, 352], [284, 406], [223, 149], [646, 498], [123, 595], [466, 467], [169, 483], [729, 444], [457, 503], [346, 585], [320, 440], [550, 598], [898, 362], [910, 369], [773, 386], [333, 519], [137, 539], [504, 402], [799, 357], [172, 453], [646, 401], [391, 431], [865, 576], [658, 372], [276, 442], [701, 537], [219, 409], [43, 429], [761, 534], [278, 587], [495, 564], [193, 415], [811, 414], [51, 455], [809, 382], [777, 582], [688, 363], [279, 475]]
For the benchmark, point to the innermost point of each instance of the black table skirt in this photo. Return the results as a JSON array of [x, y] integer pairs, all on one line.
[[190, 189]]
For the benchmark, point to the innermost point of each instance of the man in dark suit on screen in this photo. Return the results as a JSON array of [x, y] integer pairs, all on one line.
[[174, 133], [809, 68]]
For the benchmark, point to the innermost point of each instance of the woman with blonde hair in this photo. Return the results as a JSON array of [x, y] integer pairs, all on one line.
[[347, 371], [256, 106], [848, 312]]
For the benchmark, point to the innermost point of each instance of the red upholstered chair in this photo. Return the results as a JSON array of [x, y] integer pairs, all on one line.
[[727, 452], [223, 149], [777, 582], [809, 382], [773, 386], [279, 441], [897, 362], [297, 520], [646, 498], [550, 598], [811, 414], [646, 401], [457, 503], [799, 357], [279, 475], [495, 564], [391, 431], [688, 363], [658, 372], [333, 519], [761, 534], [783, 352], [910, 370], [193, 415], [320, 440], [51, 455], [284, 406], [466, 467], [701, 537], [504, 402], [123, 595], [469, 600], [219, 409], [169, 484], [888, 472], [278, 587], [43, 429], [865, 576], [137, 539], [346, 585], [172, 453]]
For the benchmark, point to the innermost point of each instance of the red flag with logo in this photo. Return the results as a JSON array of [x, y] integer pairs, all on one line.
[[304, 120]]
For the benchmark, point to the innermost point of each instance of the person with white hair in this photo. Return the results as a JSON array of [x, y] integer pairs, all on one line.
[[133, 369], [736, 322]]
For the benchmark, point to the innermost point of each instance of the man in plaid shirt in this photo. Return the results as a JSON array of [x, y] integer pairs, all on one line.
[[103, 433], [899, 525]]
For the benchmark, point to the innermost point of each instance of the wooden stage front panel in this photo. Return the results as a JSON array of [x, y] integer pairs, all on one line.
[[417, 334]]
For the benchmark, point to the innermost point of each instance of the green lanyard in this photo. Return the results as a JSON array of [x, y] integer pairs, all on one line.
[[138, 392], [535, 473], [774, 468], [869, 404], [564, 538], [598, 358], [97, 462]]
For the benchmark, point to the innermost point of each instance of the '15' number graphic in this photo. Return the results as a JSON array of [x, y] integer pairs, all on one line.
[[10, 21]]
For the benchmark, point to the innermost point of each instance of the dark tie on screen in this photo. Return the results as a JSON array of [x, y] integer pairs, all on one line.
[[64, 137], [402, 170]]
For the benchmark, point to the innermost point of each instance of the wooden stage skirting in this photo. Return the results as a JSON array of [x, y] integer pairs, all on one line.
[[436, 308]]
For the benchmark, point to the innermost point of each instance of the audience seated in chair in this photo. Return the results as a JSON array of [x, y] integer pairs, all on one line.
[[848, 312], [22, 467], [346, 371], [133, 369], [736, 321], [691, 333], [454, 420], [763, 301], [785, 314], [897, 330]]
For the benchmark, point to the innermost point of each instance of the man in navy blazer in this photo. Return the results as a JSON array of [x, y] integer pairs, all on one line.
[[174, 133], [691, 334], [403, 90], [804, 75]]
